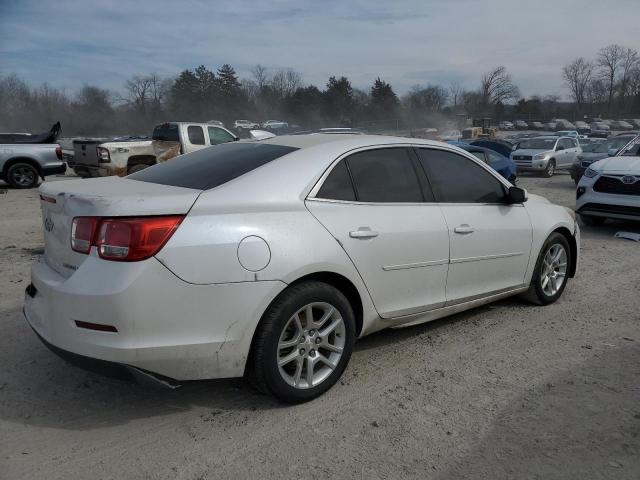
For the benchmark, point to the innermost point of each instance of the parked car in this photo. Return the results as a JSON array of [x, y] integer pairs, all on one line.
[[562, 124], [175, 138], [635, 122], [536, 125], [568, 133], [521, 125], [620, 125], [610, 188], [546, 154], [583, 128], [217, 123], [503, 147], [505, 125], [275, 125], [599, 129], [451, 135], [245, 125], [606, 148], [270, 258], [22, 165], [116, 156], [550, 126], [501, 164]]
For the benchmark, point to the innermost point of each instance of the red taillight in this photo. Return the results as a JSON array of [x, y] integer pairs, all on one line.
[[124, 239], [103, 155], [59, 152], [82, 233]]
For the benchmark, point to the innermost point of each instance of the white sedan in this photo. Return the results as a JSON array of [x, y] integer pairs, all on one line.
[[268, 259], [610, 188]]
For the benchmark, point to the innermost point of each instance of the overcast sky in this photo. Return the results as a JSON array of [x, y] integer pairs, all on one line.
[[68, 43]]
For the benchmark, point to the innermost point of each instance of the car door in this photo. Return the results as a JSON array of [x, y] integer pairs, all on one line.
[[489, 240], [373, 203]]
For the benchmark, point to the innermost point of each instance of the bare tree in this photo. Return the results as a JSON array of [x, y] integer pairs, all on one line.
[[629, 64], [455, 93], [286, 81], [609, 59], [576, 76], [497, 86], [260, 76], [138, 90]]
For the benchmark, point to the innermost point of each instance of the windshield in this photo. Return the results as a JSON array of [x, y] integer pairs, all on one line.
[[590, 147], [633, 149], [538, 144]]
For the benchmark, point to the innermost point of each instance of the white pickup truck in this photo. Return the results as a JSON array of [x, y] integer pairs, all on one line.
[[124, 155]]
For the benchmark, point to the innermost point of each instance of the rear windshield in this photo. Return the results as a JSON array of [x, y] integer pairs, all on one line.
[[167, 132], [213, 166]]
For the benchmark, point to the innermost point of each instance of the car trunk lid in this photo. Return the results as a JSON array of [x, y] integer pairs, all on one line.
[[62, 201]]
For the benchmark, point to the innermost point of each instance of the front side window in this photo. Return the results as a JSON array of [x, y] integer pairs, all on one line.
[[456, 179], [196, 135], [384, 175], [218, 136]]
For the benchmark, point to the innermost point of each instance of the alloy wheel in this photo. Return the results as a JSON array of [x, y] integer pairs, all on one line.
[[311, 345], [23, 176], [554, 269]]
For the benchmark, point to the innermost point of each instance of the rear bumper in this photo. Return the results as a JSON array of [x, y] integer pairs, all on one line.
[[164, 325], [90, 171], [53, 169]]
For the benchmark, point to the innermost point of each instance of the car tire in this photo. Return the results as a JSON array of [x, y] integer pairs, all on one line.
[[544, 288], [592, 221], [550, 170], [295, 360], [136, 168], [22, 175]]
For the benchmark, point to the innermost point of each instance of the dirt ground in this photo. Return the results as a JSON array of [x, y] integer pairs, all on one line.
[[504, 391]]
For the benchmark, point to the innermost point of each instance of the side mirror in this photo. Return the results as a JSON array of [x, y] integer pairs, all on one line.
[[516, 195]]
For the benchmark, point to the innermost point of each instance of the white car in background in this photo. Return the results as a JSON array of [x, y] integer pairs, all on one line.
[[245, 125], [610, 188], [268, 259], [275, 125]]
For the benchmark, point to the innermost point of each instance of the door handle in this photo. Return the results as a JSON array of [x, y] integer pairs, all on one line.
[[363, 232], [463, 229]]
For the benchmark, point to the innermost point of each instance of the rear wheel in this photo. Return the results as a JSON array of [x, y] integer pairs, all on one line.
[[550, 275], [551, 169], [592, 221], [303, 343], [136, 168], [22, 175]]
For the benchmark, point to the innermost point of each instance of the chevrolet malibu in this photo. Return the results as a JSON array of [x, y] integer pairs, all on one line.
[[268, 259]]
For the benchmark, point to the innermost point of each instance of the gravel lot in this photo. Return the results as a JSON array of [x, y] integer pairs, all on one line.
[[508, 390]]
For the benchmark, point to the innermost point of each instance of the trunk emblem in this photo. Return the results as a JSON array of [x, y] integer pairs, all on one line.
[[48, 224]]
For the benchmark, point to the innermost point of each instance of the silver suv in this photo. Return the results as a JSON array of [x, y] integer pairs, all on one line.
[[546, 154]]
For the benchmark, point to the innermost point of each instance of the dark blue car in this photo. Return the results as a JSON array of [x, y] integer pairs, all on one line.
[[503, 165]]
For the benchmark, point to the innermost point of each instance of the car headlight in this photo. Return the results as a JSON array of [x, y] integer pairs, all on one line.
[[590, 172], [541, 156]]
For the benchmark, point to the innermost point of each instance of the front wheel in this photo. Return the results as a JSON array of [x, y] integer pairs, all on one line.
[[551, 169], [303, 343], [551, 272]]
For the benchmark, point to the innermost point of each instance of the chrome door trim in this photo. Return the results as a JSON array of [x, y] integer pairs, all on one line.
[[485, 257], [404, 266]]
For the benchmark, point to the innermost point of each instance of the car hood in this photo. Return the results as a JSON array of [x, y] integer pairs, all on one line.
[[630, 165], [530, 151], [593, 156], [533, 198]]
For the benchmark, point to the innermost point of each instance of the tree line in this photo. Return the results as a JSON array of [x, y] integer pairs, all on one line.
[[609, 85]]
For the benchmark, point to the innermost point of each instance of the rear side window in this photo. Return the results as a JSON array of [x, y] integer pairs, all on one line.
[[167, 132], [456, 179], [213, 166], [384, 175], [196, 135], [337, 185]]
